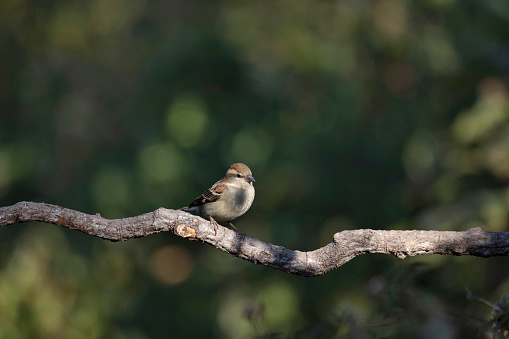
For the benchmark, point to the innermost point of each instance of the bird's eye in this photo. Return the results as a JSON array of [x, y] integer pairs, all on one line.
[[239, 175]]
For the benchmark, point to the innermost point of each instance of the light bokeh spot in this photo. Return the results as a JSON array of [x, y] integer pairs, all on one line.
[[67, 28], [389, 17], [186, 121], [280, 301], [111, 190], [172, 265], [230, 314], [419, 156], [439, 49], [489, 112], [160, 163], [251, 146]]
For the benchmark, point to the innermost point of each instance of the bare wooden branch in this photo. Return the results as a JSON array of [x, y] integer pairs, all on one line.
[[345, 246]]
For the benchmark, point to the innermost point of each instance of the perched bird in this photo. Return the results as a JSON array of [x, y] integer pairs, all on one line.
[[227, 199]]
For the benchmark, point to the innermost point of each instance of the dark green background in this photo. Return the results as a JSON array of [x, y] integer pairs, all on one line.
[[381, 114]]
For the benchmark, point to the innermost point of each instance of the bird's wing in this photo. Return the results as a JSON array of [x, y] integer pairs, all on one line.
[[210, 195]]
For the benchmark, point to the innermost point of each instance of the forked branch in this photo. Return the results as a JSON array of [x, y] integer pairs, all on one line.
[[345, 246]]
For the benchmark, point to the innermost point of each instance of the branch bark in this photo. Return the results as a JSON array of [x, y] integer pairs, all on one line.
[[345, 246]]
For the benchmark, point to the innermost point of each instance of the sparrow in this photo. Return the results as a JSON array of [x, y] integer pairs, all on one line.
[[227, 199]]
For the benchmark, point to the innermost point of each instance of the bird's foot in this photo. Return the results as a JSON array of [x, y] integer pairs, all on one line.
[[214, 224], [235, 228]]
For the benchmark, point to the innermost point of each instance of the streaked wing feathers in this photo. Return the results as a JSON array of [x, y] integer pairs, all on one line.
[[210, 195]]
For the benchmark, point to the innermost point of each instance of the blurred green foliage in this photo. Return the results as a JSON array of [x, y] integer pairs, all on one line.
[[384, 114]]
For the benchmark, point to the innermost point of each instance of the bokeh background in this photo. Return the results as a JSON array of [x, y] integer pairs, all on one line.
[[381, 114]]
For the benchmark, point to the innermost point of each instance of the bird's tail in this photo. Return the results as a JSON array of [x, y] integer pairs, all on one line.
[[184, 208]]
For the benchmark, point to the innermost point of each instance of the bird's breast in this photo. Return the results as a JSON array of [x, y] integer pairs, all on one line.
[[233, 204]]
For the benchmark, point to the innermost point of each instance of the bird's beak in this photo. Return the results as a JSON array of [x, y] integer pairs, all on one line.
[[250, 178]]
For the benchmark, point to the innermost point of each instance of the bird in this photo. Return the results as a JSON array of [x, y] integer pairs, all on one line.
[[228, 199]]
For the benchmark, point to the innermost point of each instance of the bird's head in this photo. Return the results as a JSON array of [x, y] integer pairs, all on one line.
[[239, 172]]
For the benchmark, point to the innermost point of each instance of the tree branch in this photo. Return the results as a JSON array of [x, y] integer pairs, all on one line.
[[345, 246]]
